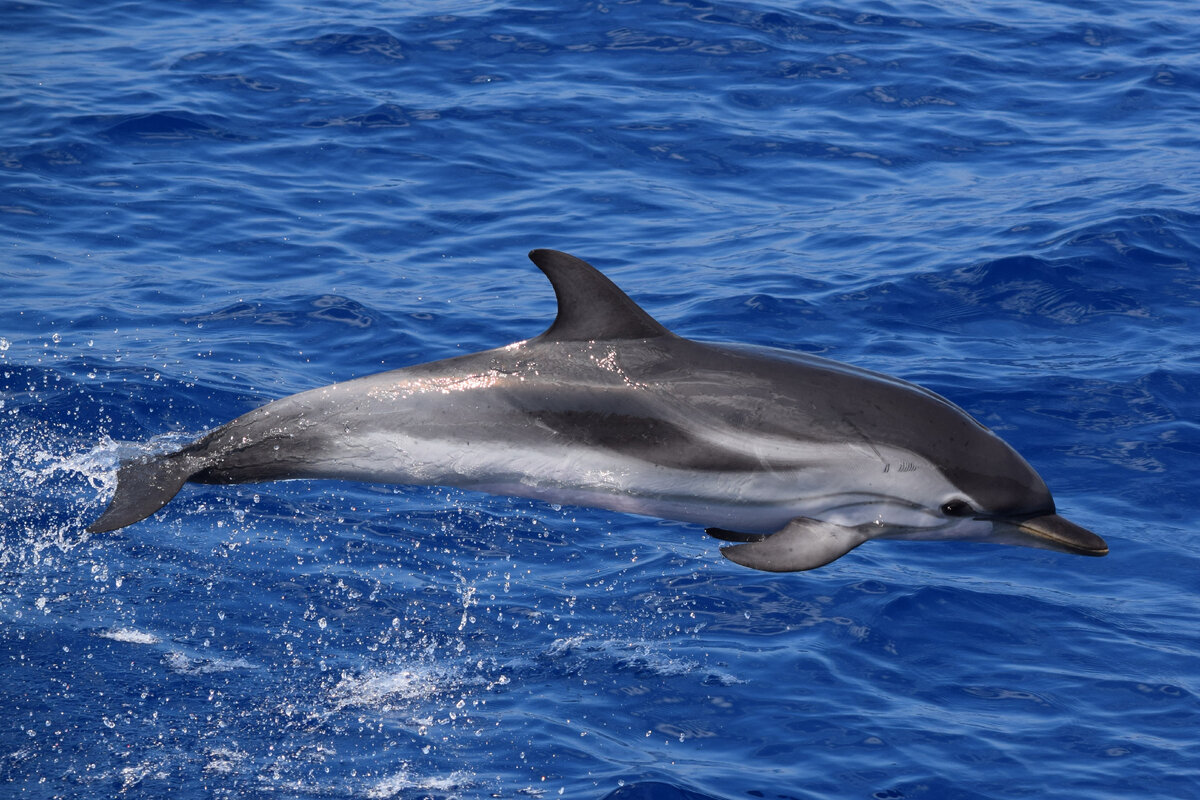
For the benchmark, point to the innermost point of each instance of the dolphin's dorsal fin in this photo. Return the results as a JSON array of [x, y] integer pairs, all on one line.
[[590, 306]]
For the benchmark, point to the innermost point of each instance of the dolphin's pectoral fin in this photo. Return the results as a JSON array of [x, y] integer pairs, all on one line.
[[801, 544], [726, 535]]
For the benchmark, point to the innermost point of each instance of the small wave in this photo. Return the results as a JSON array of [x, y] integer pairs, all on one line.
[[401, 782], [387, 115], [130, 636], [201, 665], [639, 656], [387, 690], [161, 126], [224, 761], [325, 308], [374, 44]]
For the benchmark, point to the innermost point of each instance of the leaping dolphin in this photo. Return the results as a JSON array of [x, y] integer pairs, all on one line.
[[796, 459]]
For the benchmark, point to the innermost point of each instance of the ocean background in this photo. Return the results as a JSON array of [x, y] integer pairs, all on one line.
[[208, 205]]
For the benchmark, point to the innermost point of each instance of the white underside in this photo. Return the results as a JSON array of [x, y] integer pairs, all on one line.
[[843, 484]]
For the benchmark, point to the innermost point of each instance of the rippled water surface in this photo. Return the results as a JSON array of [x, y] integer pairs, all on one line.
[[208, 205]]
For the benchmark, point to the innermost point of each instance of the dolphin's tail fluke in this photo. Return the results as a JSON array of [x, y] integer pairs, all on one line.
[[144, 485]]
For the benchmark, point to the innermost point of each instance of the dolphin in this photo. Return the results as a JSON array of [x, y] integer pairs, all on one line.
[[792, 459]]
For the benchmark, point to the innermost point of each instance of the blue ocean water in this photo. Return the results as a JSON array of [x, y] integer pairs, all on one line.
[[208, 205]]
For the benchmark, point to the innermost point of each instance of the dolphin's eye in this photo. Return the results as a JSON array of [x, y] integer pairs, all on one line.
[[957, 508]]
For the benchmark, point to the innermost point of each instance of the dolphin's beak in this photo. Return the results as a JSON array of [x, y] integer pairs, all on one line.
[[1052, 532]]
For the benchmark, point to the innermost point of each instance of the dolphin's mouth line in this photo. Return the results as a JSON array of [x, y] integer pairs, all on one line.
[[1058, 533], [1084, 545], [1015, 520]]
